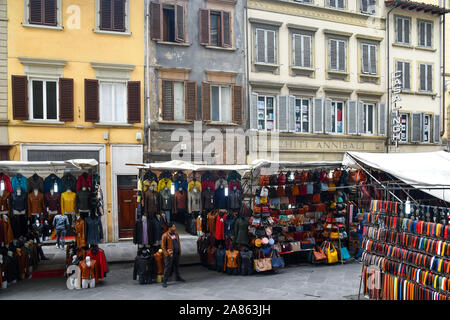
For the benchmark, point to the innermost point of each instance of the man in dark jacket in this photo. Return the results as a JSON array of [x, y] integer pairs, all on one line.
[[170, 244]]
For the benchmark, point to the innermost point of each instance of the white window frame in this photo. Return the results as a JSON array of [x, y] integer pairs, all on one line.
[[407, 127], [366, 118], [337, 7], [266, 46], [425, 116], [397, 18], [403, 73], [301, 99], [220, 86], [369, 58], [127, 20], [26, 16], [428, 90], [184, 98], [302, 63], [335, 102], [113, 99], [337, 55], [44, 98], [265, 112], [425, 35], [368, 8]]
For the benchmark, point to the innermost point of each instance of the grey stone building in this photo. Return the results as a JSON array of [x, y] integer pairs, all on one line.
[[3, 83], [197, 76]]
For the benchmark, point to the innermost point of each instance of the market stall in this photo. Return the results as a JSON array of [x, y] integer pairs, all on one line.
[[42, 201]]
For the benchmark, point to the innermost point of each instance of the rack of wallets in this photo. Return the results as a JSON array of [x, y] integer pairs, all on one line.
[[406, 257]]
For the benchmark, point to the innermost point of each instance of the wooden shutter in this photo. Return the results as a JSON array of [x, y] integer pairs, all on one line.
[[422, 77], [381, 119], [364, 6], [406, 30], [179, 23], [20, 97], [333, 54], [429, 34], [342, 57], [106, 14], [271, 47], [156, 21], [318, 115], [119, 15], [226, 29], [91, 100], [407, 75], [238, 98], [421, 33], [332, 3], [167, 100], [416, 127], [134, 101], [206, 101], [35, 11], [65, 99], [373, 59], [191, 101], [429, 77], [291, 113], [341, 4], [50, 11], [365, 58], [352, 117], [399, 29], [260, 45], [204, 26], [297, 45], [327, 115], [436, 128], [282, 113], [307, 52], [372, 6], [253, 114], [361, 118]]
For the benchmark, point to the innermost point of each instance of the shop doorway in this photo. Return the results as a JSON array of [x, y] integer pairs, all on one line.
[[127, 205]]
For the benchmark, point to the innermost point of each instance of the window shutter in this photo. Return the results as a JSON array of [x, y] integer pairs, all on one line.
[[373, 6], [20, 97], [156, 21], [105, 15], [307, 43], [381, 119], [260, 46], [328, 112], [373, 59], [341, 4], [399, 67], [352, 116], [191, 101], [421, 33], [360, 117], [91, 101], [238, 96], [35, 15], [365, 58], [318, 115], [65, 99], [416, 127], [179, 23], [422, 78], [50, 12], [206, 101], [407, 76], [430, 77], [119, 15], [436, 128], [297, 45], [429, 33], [271, 47], [407, 26], [134, 101], [167, 100], [282, 114], [253, 111], [364, 6], [333, 3], [204, 26], [226, 29], [342, 57], [291, 113], [333, 54], [399, 29]]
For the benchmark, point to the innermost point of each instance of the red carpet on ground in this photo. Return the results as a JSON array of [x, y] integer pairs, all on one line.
[[67, 238], [48, 274]]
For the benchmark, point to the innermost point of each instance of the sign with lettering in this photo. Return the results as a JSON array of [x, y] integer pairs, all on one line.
[[397, 87]]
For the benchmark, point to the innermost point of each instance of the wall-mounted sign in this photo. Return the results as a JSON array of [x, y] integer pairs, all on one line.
[[397, 86]]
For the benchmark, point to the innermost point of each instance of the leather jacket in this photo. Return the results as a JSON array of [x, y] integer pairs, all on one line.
[[166, 243], [208, 199], [194, 201], [166, 200], [88, 273], [231, 259], [159, 263], [246, 262], [138, 232], [19, 203], [35, 203], [180, 201], [151, 203], [83, 200], [212, 256], [235, 199], [35, 182], [80, 233], [52, 202], [68, 181], [94, 230], [5, 204], [143, 266]]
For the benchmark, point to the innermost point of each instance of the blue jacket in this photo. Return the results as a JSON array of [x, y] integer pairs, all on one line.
[[50, 181], [221, 199], [181, 183], [220, 258], [229, 226], [60, 222], [19, 181]]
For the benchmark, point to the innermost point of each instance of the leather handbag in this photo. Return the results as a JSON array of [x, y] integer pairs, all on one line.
[[286, 247], [296, 190], [277, 260], [273, 180], [296, 246], [344, 253], [332, 254], [337, 175], [264, 180], [319, 255], [316, 198], [307, 244], [331, 186], [261, 263], [334, 235]]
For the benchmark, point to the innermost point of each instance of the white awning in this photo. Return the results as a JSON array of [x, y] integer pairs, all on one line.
[[422, 170], [188, 166], [29, 167]]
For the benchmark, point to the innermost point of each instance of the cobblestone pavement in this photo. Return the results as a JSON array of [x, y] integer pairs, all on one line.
[[296, 282]]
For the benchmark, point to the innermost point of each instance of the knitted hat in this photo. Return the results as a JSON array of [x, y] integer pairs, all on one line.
[[271, 242], [265, 241]]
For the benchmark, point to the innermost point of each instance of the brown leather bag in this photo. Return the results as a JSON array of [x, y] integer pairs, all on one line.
[[319, 256], [261, 263]]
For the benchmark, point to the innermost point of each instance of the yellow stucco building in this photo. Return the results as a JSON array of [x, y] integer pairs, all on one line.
[[76, 90]]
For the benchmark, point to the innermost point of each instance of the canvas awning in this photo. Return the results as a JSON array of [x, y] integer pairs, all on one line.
[[188, 166], [29, 167], [427, 171]]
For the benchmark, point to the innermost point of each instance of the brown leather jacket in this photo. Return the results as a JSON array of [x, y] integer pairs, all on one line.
[[5, 203], [231, 259], [79, 230], [88, 273], [35, 203], [151, 203], [211, 222], [180, 201], [167, 244], [159, 261]]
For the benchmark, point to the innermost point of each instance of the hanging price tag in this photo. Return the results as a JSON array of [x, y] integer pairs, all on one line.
[[2, 185], [55, 187]]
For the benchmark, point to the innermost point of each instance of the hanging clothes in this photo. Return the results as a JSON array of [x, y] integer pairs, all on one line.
[[211, 224], [19, 181], [194, 201], [220, 227], [98, 255], [143, 232], [180, 201], [50, 182], [7, 182], [5, 202], [195, 183], [35, 203], [221, 199], [208, 199], [80, 233], [94, 230], [52, 202], [83, 200], [35, 182], [84, 180], [151, 203], [68, 182], [163, 183], [68, 202]]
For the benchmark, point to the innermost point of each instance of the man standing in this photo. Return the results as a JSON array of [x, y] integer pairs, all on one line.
[[170, 244]]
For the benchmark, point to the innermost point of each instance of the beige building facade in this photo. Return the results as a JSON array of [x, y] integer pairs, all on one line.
[[4, 147]]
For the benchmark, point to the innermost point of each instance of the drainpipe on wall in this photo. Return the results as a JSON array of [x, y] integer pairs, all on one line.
[[246, 54], [443, 74], [147, 79], [388, 79]]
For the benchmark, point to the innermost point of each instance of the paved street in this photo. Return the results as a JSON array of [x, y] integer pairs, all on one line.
[[296, 282]]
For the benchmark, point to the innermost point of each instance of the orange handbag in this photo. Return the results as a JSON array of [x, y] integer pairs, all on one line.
[[295, 190], [316, 198], [337, 175]]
